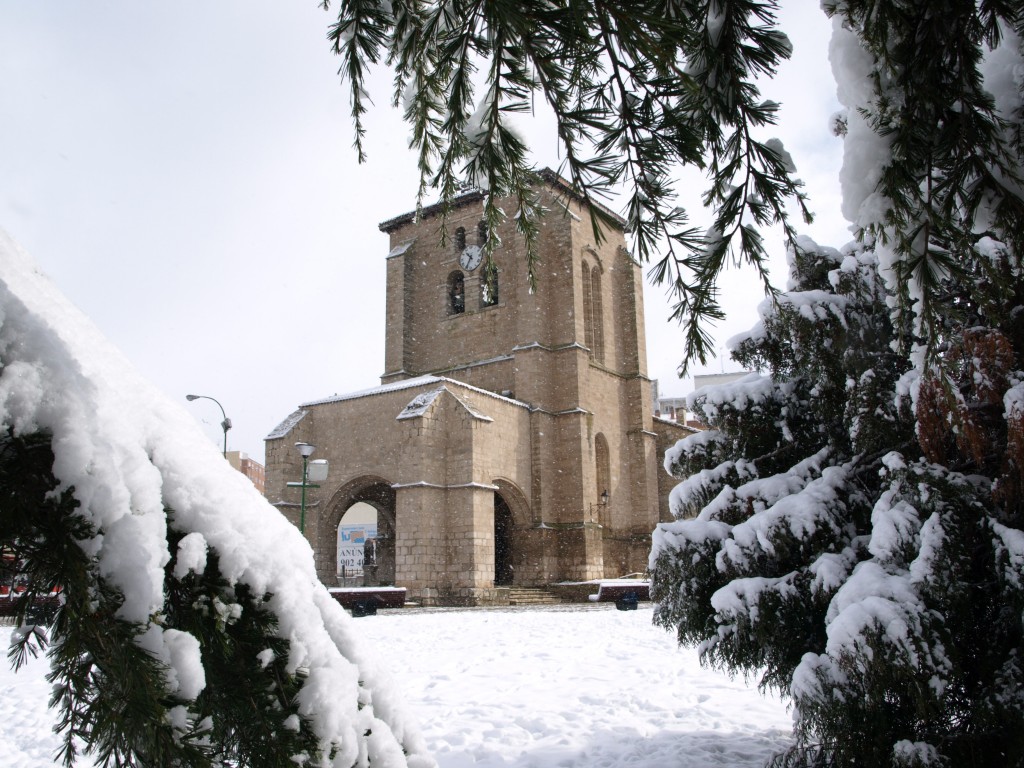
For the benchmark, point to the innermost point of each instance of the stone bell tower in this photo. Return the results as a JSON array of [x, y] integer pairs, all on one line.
[[513, 438]]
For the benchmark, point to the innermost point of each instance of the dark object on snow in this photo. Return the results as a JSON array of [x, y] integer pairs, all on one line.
[[612, 592], [364, 608], [381, 597], [627, 602]]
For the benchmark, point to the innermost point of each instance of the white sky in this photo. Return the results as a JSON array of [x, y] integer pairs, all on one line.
[[184, 173]]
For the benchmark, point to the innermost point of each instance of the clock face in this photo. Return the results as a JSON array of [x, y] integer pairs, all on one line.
[[471, 257]]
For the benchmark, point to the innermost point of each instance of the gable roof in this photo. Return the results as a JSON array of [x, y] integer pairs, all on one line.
[[419, 381], [422, 403]]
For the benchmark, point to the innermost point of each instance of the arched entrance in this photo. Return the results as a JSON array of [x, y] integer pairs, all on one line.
[[357, 545], [360, 503], [504, 525], [515, 559]]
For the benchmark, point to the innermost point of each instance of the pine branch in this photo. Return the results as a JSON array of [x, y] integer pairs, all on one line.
[[628, 112]]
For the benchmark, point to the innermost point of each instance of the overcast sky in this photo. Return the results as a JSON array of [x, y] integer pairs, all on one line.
[[184, 172]]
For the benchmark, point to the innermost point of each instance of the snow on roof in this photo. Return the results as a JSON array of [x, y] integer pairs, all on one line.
[[674, 423], [384, 389], [476, 414], [286, 426], [420, 404], [419, 381], [398, 250]]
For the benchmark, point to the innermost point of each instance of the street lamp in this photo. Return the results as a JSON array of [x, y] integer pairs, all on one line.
[[306, 450], [225, 425]]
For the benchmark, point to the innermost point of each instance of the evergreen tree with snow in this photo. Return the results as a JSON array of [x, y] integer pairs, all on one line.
[[180, 613], [850, 527]]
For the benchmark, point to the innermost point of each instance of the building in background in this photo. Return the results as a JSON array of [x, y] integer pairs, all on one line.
[[676, 408], [249, 467], [512, 441]]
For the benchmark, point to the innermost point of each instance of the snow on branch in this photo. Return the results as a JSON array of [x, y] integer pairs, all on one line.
[[141, 469]]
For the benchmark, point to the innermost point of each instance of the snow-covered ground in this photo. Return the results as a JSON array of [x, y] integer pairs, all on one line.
[[566, 687]]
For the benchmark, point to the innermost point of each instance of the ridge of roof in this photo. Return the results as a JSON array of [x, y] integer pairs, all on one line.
[[418, 381], [475, 195]]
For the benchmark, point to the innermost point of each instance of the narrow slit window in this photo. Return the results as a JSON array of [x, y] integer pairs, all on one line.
[[598, 313], [588, 310], [456, 293]]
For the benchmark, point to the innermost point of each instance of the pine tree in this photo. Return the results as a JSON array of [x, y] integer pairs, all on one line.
[[851, 527], [112, 694], [179, 612]]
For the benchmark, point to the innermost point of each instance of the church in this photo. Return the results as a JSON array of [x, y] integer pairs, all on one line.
[[512, 441]]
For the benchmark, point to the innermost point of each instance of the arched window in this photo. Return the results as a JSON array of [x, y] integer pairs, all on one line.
[[481, 233], [460, 239], [588, 310], [598, 314], [489, 288], [456, 293]]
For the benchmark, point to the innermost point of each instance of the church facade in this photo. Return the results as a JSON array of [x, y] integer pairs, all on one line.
[[512, 440]]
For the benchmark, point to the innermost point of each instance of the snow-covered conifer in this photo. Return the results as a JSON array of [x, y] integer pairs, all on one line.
[[851, 528], [190, 629]]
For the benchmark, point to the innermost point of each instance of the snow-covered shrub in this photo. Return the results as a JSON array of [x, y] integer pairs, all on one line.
[[191, 628]]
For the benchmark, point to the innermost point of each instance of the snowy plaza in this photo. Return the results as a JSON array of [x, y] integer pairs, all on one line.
[[566, 687]]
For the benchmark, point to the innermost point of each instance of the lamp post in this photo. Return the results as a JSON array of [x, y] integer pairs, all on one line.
[[602, 508], [225, 425], [306, 450]]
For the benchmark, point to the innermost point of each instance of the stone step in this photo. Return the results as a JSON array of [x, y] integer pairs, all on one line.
[[531, 596]]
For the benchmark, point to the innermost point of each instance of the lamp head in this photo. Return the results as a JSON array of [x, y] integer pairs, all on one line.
[[305, 449], [192, 397], [604, 497]]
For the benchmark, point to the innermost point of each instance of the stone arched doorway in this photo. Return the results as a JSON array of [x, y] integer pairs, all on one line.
[[511, 530], [379, 567], [504, 526]]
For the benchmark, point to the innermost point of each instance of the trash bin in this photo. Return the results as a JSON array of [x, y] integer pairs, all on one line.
[[364, 608], [628, 602]]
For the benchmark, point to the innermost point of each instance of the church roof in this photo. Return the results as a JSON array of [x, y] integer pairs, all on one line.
[[467, 198], [286, 426], [415, 408], [419, 381], [424, 400]]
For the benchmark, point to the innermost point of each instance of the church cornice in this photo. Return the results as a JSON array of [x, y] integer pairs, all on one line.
[[544, 525], [530, 345], [476, 364], [468, 198], [445, 487]]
